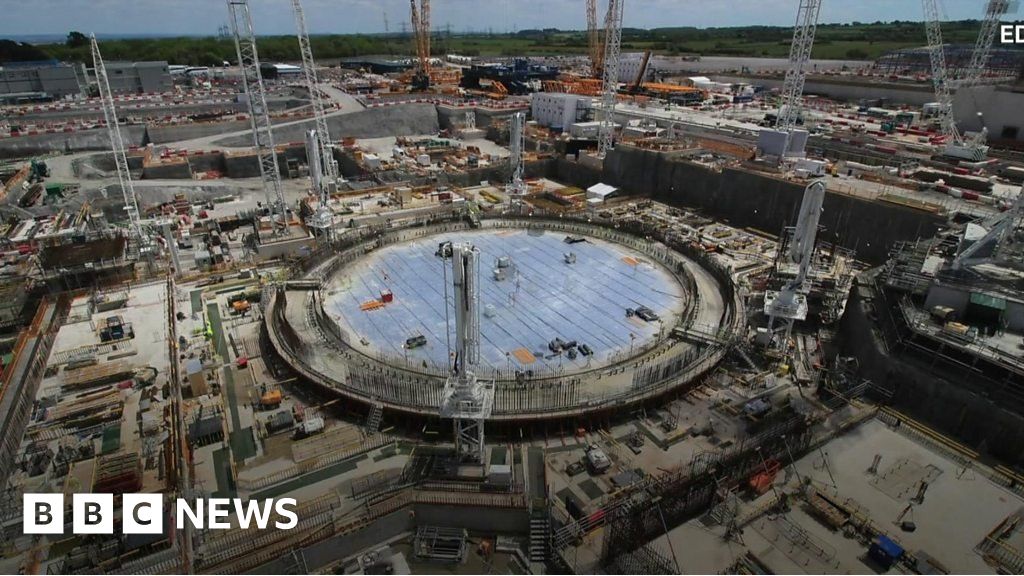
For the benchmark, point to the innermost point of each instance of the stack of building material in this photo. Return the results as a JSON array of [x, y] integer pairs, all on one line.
[[118, 473], [96, 375], [87, 409]]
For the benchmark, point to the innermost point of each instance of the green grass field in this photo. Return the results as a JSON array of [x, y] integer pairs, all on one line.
[[834, 41]]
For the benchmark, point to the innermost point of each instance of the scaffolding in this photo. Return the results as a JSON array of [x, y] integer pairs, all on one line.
[[651, 508]]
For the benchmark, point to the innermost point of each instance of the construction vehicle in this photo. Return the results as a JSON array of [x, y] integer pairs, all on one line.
[[639, 82], [38, 170], [762, 481], [271, 399]]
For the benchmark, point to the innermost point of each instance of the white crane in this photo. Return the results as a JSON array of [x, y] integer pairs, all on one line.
[[610, 76], [999, 227], [325, 144], [259, 114], [124, 177], [799, 57], [994, 12], [467, 400], [516, 188], [963, 146], [790, 303]]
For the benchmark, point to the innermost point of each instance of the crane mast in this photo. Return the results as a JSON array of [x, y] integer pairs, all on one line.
[[593, 39], [421, 33], [467, 400], [124, 177], [516, 187], [940, 79], [610, 75], [259, 115], [994, 12], [327, 162], [799, 56], [959, 145]]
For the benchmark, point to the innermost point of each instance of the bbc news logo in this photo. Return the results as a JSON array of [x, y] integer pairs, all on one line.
[[1011, 33], [144, 513]]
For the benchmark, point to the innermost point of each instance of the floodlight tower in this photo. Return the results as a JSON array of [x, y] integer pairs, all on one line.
[[516, 188], [610, 76], [124, 176], [790, 303], [467, 400], [259, 114]]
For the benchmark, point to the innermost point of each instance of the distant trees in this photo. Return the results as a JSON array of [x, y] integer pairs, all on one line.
[[76, 39]]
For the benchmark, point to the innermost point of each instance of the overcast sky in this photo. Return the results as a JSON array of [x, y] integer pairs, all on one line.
[[202, 17]]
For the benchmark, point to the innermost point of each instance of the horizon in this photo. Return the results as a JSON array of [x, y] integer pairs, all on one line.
[[55, 18]]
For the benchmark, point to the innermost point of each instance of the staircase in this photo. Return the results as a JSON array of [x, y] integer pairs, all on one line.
[[540, 529], [373, 420]]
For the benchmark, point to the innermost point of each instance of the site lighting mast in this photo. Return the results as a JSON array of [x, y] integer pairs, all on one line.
[[259, 114], [610, 76], [516, 188], [799, 59], [325, 145], [790, 303], [467, 400], [124, 177]]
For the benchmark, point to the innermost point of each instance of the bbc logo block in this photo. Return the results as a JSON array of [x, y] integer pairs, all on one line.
[[145, 514]]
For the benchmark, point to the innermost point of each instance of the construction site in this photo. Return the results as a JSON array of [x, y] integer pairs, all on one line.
[[619, 313]]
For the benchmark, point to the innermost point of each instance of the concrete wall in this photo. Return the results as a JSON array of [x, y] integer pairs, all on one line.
[[1000, 109], [175, 133], [80, 141], [934, 393], [475, 519], [406, 120], [749, 199], [172, 171], [915, 95]]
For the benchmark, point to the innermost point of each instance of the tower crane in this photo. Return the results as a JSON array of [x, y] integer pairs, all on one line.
[[790, 303], [124, 177], [421, 34], [259, 115], [323, 170], [610, 75], [799, 56], [958, 145]]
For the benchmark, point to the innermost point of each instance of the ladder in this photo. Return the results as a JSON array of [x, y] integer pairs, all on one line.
[[539, 536], [373, 419]]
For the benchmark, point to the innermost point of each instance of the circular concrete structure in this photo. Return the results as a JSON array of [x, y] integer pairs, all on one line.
[[654, 316], [529, 296]]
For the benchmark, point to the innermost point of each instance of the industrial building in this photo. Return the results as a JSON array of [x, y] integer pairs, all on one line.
[[28, 81], [560, 111], [139, 77]]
